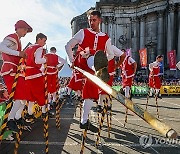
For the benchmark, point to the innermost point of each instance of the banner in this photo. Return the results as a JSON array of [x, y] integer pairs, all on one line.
[[139, 90], [128, 52], [172, 59], [143, 57], [136, 90], [169, 90]]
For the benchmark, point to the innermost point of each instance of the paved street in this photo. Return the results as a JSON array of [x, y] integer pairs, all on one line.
[[124, 140]]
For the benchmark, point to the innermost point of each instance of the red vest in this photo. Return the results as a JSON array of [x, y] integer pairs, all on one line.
[[89, 41], [10, 62], [31, 67], [156, 71], [127, 69], [52, 63]]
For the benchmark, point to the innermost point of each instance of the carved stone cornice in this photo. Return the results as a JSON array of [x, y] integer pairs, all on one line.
[[171, 8], [111, 19], [178, 8], [160, 14], [105, 20], [134, 19], [142, 18]]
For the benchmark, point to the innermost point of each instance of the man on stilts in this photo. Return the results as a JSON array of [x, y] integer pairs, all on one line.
[[53, 64], [154, 79], [90, 40], [128, 69], [34, 74], [11, 54]]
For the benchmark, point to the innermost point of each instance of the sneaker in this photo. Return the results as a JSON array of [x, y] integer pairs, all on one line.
[[21, 122], [11, 124], [29, 118], [99, 109], [89, 126], [51, 114], [109, 108], [159, 97]]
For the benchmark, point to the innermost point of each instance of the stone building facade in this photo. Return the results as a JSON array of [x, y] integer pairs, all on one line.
[[137, 24]]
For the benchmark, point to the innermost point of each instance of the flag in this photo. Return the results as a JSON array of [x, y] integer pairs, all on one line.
[[143, 57], [172, 59]]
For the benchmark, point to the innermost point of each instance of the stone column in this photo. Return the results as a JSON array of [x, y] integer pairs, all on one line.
[[170, 28], [114, 32], [160, 29], [178, 48], [103, 25], [110, 24], [142, 32], [134, 36]]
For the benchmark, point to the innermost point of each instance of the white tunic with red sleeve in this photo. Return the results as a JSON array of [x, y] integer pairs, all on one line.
[[93, 41], [52, 72], [154, 79], [33, 70], [10, 63], [35, 82], [127, 71]]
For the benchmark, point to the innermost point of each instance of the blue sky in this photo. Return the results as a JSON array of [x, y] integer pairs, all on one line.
[[51, 17]]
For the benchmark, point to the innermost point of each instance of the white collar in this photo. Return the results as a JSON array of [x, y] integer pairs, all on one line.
[[98, 33]]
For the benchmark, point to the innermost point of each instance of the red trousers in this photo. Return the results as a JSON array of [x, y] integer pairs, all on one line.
[[19, 89], [51, 83], [35, 90]]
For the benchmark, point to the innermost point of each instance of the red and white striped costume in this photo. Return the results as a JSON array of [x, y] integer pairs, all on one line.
[[88, 39], [127, 71], [154, 79], [10, 64], [54, 61], [35, 83]]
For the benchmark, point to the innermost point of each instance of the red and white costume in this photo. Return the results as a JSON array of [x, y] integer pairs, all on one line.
[[86, 38], [54, 61], [35, 83], [89, 42], [10, 64], [154, 79], [127, 71]]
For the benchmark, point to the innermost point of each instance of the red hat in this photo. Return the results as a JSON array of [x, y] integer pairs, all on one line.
[[23, 24]]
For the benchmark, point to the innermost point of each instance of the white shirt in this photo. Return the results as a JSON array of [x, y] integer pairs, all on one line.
[[38, 56], [78, 39], [154, 64], [117, 52], [9, 47]]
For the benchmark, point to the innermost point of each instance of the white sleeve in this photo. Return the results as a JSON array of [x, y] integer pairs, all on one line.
[[77, 39], [117, 52], [178, 65], [109, 50], [5, 47], [61, 61], [151, 65], [131, 60], [38, 56]]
